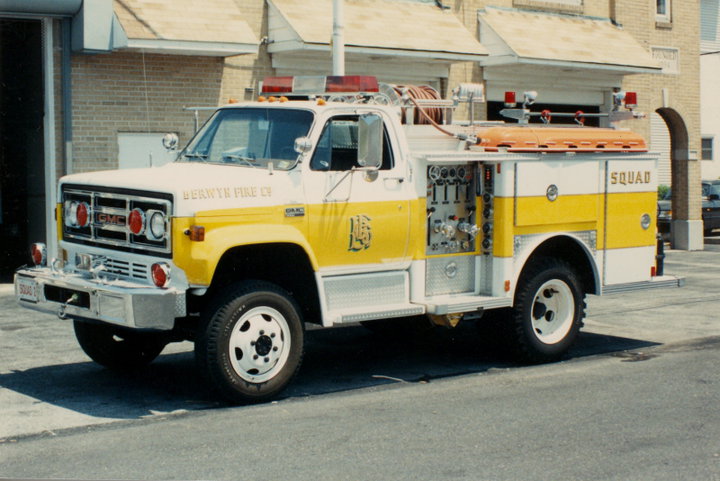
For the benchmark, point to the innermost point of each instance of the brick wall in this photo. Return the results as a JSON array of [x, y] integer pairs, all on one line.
[[131, 92]]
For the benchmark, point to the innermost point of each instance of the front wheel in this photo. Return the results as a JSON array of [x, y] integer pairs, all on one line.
[[548, 311], [251, 343]]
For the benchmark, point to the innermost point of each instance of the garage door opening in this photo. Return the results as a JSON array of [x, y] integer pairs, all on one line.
[[22, 176]]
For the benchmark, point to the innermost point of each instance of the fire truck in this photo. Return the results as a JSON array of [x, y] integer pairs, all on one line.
[[336, 200]]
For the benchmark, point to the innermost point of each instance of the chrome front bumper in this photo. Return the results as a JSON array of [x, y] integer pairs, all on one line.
[[80, 296]]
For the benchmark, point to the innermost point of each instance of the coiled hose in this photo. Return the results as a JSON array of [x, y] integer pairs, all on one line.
[[424, 115]]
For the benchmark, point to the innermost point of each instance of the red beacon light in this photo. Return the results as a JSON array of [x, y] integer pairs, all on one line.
[[631, 100], [627, 98], [510, 99], [316, 85]]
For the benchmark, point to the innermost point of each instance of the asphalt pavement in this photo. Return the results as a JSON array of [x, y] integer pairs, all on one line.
[[49, 389]]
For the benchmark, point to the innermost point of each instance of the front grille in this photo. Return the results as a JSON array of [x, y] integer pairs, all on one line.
[[108, 213], [133, 270]]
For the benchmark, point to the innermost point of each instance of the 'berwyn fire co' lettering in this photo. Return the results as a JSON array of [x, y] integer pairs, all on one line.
[[630, 177], [240, 192]]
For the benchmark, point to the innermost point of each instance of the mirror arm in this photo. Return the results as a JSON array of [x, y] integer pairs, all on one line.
[[340, 181]]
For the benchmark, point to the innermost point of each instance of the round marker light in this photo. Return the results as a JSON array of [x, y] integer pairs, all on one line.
[[136, 221], [645, 221], [157, 225], [160, 274], [38, 252], [82, 214]]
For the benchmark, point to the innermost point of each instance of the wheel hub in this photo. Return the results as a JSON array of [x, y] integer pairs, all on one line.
[[259, 344], [553, 311], [263, 345]]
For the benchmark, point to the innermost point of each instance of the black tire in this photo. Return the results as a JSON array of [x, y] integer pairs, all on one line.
[[548, 311], [251, 342], [117, 348]]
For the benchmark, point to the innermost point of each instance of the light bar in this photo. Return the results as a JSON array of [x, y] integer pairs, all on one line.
[[277, 85], [308, 85], [352, 83]]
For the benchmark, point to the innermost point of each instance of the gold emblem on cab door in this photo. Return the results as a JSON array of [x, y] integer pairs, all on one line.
[[360, 232]]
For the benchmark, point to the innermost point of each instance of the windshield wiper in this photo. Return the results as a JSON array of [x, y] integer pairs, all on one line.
[[241, 158], [194, 155]]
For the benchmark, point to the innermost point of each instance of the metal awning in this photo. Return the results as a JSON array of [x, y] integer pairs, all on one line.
[[66, 8], [517, 38], [182, 27], [372, 27]]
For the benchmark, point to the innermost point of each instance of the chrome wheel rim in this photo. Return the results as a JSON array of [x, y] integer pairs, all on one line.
[[553, 311], [259, 344]]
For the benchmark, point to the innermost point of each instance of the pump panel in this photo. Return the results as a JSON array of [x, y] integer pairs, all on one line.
[[451, 209]]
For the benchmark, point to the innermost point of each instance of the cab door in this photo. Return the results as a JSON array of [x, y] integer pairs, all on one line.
[[357, 220]]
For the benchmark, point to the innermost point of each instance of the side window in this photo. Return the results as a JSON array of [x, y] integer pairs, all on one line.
[[707, 148], [662, 11], [337, 149]]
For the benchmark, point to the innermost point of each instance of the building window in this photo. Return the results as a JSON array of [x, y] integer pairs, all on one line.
[[707, 148], [662, 11]]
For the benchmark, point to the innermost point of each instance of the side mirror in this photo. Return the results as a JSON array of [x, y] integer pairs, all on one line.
[[713, 197], [302, 145], [370, 141], [170, 141]]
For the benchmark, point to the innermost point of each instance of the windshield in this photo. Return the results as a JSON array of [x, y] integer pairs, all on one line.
[[251, 137]]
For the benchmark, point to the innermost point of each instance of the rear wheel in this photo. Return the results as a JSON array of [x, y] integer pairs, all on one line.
[[117, 348], [548, 311], [251, 343]]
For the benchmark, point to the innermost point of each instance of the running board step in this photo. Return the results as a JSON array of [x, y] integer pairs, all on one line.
[[358, 314], [655, 282], [441, 305]]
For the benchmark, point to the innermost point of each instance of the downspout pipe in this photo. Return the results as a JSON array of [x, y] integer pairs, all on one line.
[[66, 89], [338, 38]]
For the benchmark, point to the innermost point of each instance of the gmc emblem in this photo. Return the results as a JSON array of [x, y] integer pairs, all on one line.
[[110, 219]]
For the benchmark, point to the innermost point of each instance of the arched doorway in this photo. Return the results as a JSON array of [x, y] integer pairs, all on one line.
[[687, 232]]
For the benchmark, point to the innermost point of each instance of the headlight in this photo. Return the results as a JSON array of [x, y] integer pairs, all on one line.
[[76, 214], [157, 225]]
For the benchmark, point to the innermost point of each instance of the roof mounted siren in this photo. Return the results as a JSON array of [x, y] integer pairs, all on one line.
[[523, 115]]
